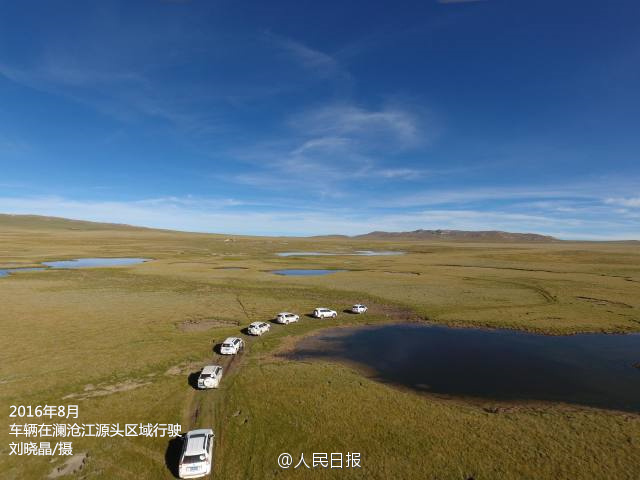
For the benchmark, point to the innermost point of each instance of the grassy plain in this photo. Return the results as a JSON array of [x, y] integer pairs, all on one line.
[[121, 343]]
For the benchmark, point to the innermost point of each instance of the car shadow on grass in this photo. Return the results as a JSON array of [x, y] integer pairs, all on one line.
[[348, 310], [192, 379], [172, 456]]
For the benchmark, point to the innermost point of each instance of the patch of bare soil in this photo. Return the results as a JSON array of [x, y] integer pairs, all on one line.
[[104, 389], [74, 464], [184, 368], [200, 325]]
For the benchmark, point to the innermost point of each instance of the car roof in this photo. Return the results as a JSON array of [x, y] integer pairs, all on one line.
[[197, 441], [200, 431], [323, 308], [256, 324], [211, 368], [231, 340]]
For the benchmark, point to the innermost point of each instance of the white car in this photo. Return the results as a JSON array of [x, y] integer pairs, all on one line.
[[231, 346], [197, 453], [258, 328], [358, 308], [322, 312], [286, 318], [210, 376]]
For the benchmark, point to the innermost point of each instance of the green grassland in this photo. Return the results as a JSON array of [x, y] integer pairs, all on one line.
[[121, 343]]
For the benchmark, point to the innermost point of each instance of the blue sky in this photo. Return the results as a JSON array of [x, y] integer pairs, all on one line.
[[309, 117]]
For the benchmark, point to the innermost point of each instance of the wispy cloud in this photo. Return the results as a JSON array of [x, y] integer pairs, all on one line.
[[631, 202], [399, 126], [119, 94], [585, 190], [335, 145], [314, 60]]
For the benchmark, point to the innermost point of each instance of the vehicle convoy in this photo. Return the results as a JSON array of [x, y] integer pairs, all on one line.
[[197, 454], [358, 308], [210, 376], [322, 312], [258, 328], [286, 318], [231, 346]]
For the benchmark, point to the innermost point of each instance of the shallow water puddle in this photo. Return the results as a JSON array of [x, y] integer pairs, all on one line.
[[304, 273]]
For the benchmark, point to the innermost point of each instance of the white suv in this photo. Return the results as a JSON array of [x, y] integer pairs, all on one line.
[[197, 453], [231, 346], [358, 308], [286, 318], [210, 376], [322, 312], [258, 328]]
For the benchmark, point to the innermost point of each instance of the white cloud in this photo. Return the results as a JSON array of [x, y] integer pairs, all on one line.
[[321, 63], [631, 202], [365, 126], [334, 145], [589, 190]]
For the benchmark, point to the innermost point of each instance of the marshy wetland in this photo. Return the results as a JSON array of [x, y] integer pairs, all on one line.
[[117, 331]]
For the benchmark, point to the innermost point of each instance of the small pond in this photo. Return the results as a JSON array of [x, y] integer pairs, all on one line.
[[360, 253], [597, 370], [94, 262], [297, 272], [7, 271], [77, 263]]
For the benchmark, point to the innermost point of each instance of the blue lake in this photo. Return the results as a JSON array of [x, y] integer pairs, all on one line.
[[94, 262], [76, 263], [598, 370], [304, 273]]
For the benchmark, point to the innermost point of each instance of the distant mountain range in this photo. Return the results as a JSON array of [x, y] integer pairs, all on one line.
[[37, 222], [489, 235]]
